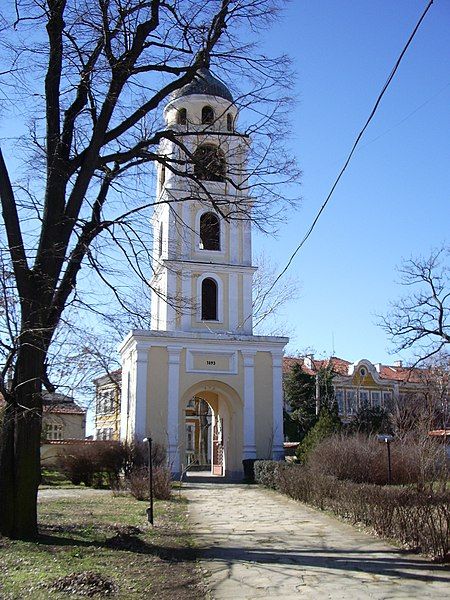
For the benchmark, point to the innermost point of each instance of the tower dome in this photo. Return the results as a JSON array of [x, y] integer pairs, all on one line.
[[204, 83]]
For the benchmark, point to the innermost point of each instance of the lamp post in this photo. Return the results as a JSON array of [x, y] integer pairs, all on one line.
[[387, 439], [148, 440]]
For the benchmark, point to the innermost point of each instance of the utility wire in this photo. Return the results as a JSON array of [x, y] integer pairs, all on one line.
[[344, 168]]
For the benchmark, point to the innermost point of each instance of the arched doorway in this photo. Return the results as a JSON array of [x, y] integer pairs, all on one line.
[[211, 432], [204, 441]]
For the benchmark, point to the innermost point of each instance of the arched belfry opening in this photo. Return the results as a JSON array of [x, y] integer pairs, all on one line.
[[209, 231], [207, 115], [210, 163], [209, 300]]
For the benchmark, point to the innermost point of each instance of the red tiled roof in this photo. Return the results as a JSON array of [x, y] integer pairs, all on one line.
[[405, 374], [340, 367]]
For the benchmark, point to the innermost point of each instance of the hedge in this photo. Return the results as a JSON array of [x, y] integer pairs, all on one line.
[[419, 520]]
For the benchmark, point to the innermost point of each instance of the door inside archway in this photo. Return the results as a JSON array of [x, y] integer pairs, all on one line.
[[204, 441]]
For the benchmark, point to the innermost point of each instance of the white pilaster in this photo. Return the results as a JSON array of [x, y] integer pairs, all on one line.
[[247, 243], [173, 393], [186, 292], [186, 231], [170, 299], [233, 301], [140, 414], [247, 302], [249, 404], [234, 242], [277, 406]]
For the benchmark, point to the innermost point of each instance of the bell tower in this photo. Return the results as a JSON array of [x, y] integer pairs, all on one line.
[[199, 382], [202, 236]]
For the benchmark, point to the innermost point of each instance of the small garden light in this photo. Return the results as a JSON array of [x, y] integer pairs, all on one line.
[[387, 439], [148, 440]]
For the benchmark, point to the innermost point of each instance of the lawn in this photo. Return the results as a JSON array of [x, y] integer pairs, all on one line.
[[95, 544]]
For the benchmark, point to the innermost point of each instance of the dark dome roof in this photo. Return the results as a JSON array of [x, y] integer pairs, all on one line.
[[204, 83]]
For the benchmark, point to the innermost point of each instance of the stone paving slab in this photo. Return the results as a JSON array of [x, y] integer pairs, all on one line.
[[256, 543]]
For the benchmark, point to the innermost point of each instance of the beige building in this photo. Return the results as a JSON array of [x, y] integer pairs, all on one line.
[[362, 382], [201, 346], [107, 406]]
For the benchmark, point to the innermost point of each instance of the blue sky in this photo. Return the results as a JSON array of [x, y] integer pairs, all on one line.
[[393, 201]]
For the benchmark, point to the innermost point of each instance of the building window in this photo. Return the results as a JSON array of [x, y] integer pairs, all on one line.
[[209, 232], [105, 434], [182, 116], [106, 402], [363, 398], [162, 178], [230, 122], [376, 398], [209, 300], [209, 163], [207, 115], [339, 396], [53, 431], [387, 399], [351, 402]]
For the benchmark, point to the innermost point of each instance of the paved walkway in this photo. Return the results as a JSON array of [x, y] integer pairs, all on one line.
[[259, 544]]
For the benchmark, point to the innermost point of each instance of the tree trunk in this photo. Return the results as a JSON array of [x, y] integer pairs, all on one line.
[[20, 445]]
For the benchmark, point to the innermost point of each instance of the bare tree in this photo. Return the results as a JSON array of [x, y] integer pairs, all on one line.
[[90, 78], [269, 300], [421, 320]]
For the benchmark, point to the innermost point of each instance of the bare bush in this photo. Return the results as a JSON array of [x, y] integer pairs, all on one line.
[[363, 459], [137, 455], [138, 483], [417, 519]]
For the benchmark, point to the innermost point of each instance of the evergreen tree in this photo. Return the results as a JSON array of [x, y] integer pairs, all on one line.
[[327, 424], [300, 396]]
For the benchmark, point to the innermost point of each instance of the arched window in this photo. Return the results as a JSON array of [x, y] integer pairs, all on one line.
[[162, 178], [209, 163], [230, 122], [209, 232], [182, 116], [209, 300], [207, 115], [160, 240]]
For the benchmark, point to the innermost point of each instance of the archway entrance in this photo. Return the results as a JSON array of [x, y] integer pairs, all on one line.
[[204, 435]]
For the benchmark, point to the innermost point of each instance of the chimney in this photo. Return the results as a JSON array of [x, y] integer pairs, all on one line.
[[398, 363], [378, 367], [308, 361]]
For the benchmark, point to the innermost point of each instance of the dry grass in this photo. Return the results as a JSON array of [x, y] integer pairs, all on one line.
[[95, 545]]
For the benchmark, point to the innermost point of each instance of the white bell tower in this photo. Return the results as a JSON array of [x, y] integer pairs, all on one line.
[[201, 349], [202, 234]]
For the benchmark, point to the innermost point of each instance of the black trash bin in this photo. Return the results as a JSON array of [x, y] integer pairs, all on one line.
[[249, 469]]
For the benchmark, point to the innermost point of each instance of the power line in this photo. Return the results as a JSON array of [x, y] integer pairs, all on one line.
[[349, 157]]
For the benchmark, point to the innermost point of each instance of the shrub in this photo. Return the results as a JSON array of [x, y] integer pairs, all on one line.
[[266, 472], [78, 464], [136, 455], [417, 519], [139, 485], [99, 463], [363, 459]]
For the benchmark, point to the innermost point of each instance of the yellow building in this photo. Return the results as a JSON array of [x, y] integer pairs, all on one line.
[[362, 383], [107, 406], [201, 345]]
